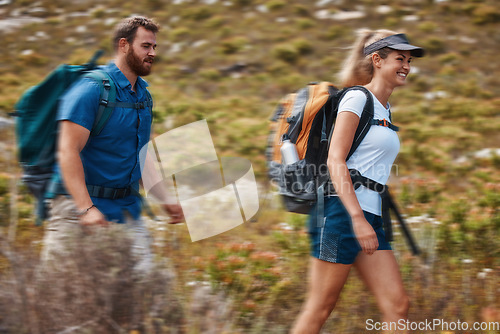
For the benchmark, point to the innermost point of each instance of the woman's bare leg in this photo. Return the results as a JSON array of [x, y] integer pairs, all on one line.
[[381, 274], [326, 280]]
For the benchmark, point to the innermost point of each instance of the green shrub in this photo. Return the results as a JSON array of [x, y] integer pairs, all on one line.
[[286, 52], [469, 88], [99, 13], [303, 46], [305, 23], [197, 13], [427, 27], [179, 34], [4, 185], [434, 45], [242, 3], [215, 22], [485, 14], [301, 10], [274, 5], [449, 58], [35, 59], [391, 22], [210, 74], [233, 44], [154, 4], [335, 32]]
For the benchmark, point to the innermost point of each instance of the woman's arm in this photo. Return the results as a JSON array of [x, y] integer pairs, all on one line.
[[342, 138]]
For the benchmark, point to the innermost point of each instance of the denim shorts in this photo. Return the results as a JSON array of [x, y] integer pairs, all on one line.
[[335, 241]]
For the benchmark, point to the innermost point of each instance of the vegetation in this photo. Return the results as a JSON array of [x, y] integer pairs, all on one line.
[[255, 275]]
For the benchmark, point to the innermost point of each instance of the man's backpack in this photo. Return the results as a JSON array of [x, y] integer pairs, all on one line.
[[307, 118], [36, 125]]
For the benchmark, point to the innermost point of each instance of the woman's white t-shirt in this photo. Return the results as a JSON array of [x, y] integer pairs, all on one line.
[[376, 153]]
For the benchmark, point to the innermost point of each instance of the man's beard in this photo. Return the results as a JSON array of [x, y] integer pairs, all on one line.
[[136, 64]]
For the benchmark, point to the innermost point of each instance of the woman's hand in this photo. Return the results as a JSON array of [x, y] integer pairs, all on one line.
[[366, 236]]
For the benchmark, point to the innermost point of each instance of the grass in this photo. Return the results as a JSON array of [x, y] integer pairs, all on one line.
[[262, 287]]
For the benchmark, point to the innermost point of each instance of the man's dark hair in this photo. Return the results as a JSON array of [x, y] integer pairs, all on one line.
[[127, 28]]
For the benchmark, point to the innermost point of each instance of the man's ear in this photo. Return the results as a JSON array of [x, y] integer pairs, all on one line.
[[123, 45]]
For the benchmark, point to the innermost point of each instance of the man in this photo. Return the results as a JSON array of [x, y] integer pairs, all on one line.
[[90, 166]]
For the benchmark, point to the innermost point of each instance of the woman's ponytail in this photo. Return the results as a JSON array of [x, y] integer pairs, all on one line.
[[358, 67]]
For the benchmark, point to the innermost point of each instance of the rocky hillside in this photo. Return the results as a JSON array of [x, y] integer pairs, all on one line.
[[229, 62]]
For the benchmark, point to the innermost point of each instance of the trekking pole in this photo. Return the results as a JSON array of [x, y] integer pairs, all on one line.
[[406, 231], [164, 178]]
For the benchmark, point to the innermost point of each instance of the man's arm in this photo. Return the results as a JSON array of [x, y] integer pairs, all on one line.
[[72, 139]]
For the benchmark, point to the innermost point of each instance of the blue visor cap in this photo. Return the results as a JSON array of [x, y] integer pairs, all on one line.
[[396, 42]]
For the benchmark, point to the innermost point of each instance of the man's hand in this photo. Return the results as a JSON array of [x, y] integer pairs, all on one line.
[[93, 217], [175, 212]]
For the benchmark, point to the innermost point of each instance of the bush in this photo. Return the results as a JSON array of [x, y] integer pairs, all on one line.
[[4, 185], [485, 14], [215, 22], [210, 74], [233, 44], [449, 58], [434, 45], [242, 3], [303, 46], [305, 23], [286, 52], [301, 10], [94, 287], [335, 32], [275, 5], [197, 13], [427, 27], [179, 34]]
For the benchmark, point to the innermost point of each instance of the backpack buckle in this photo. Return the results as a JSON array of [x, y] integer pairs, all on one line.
[[385, 123], [106, 84], [103, 102]]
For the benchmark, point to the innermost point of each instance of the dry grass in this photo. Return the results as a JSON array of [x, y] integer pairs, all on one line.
[[282, 47]]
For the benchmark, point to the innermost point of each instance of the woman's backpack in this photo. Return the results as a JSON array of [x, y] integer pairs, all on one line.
[[307, 118]]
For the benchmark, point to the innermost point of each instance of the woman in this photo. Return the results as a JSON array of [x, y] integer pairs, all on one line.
[[352, 233]]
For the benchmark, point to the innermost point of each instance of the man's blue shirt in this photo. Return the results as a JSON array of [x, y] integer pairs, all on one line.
[[111, 159]]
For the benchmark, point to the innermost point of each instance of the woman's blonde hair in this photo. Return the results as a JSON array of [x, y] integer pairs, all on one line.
[[358, 67]]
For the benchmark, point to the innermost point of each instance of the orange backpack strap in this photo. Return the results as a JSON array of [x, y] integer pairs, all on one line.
[[318, 96]]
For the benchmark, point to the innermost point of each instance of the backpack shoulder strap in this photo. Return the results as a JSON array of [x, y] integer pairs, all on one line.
[[365, 120], [107, 99], [149, 103]]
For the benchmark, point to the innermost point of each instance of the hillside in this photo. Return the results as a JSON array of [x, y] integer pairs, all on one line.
[[229, 62]]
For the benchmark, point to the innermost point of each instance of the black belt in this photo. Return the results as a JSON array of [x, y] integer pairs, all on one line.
[[108, 192]]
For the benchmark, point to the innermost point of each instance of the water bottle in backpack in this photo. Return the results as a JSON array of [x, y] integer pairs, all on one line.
[[289, 153]]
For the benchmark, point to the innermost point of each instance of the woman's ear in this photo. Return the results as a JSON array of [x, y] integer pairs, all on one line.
[[376, 60]]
